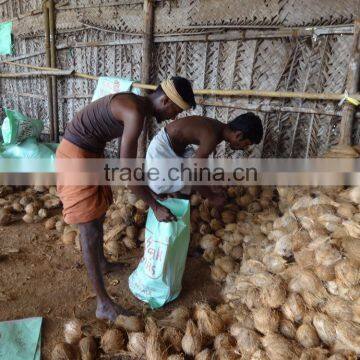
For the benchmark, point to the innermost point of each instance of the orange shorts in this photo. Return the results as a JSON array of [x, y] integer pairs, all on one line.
[[81, 204]]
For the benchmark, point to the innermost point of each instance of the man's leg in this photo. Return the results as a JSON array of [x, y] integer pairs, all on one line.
[[90, 235], [105, 265]]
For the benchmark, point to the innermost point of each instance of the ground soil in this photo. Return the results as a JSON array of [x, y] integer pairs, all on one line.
[[39, 276]]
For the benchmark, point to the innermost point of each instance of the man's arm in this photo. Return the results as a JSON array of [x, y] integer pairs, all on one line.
[[204, 150], [128, 150]]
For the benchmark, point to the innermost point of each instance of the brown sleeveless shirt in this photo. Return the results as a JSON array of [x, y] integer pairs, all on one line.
[[94, 126]]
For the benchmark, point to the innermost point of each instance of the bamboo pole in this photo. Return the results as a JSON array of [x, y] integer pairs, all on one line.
[[52, 27], [37, 73], [216, 92], [352, 85], [48, 63], [147, 45]]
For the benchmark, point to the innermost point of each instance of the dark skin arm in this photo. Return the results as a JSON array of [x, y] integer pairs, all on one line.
[[206, 147], [133, 125]]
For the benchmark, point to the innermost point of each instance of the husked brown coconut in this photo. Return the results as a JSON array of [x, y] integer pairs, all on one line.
[[50, 223], [195, 200], [226, 314], [338, 308], [226, 263], [279, 348], [228, 217], [155, 347], [316, 353], [68, 238], [307, 336], [137, 344], [112, 341], [325, 328], [325, 273], [274, 263], [129, 323], [28, 218], [217, 273], [206, 354], [208, 321], [209, 241], [63, 351], [5, 217], [287, 328], [172, 337], [274, 295], [266, 320], [178, 318], [192, 340], [352, 249], [72, 331], [247, 341], [88, 348], [347, 273], [129, 243], [349, 334], [294, 307], [259, 355], [224, 345]]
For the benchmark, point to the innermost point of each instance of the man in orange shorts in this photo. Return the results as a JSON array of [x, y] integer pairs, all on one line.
[[113, 116]]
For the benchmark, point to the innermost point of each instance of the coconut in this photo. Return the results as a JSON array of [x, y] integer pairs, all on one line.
[[228, 217], [211, 254], [262, 279], [204, 212], [176, 357], [349, 334], [129, 242], [244, 317], [141, 205], [209, 241], [283, 246], [208, 321], [338, 308], [244, 201], [216, 224], [129, 323], [300, 239], [352, 249], [237, 252], [287, 328], [155, 347], [337, 357], [250, 267], [72, 331], [25, 200], [59, 226], [127, 213], [178, 318], [68, 237], [204, 228], [195, 200], [274, 295], [206, 354], [352, 228], [327, 255], [88, 348], [346, 210], [325, 273], [217, 273], [247, 341], [5, 217], [252, 297], [307, 336], [28, 218], [279, 348], [294, 307], [317, 353], [63, 351], [347, 273], [172, 337], [274, 263], [254, 207], [192, 341], [141, 235], [52, 203], [356, 310], [325, 328], [226, 263], [17, 207], [266, 320], [137, 344], [131, 232], [226, 314], [224, 345], [114, 248], [50, 223], [112, 341], [305, 258], [259, 355], [43, 213], [306, 280]]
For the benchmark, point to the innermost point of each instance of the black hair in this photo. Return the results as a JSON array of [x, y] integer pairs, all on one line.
[[184, 88], [250, 125]]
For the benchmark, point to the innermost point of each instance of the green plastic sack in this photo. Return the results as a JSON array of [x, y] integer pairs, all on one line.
[[158, 277], [18, 127]]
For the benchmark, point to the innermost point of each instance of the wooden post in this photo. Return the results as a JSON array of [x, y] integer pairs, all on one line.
[[48, 64], [146, 64], [52, 28], [352, 86]]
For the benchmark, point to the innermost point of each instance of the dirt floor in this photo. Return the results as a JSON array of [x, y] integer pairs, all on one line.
[[39, 276]]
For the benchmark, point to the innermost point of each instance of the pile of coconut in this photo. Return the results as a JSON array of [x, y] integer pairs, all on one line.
[[32, 204]]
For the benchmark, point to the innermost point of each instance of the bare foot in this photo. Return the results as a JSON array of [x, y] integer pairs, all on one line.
[[110, 311], [108, 267]]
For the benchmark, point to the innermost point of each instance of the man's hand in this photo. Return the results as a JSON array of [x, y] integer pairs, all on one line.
[[162, 213]]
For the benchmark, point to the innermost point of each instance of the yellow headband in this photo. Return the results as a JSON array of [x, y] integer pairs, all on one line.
[[171, 92]]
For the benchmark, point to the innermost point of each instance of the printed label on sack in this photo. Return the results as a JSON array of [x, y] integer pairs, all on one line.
[[154, 257]]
